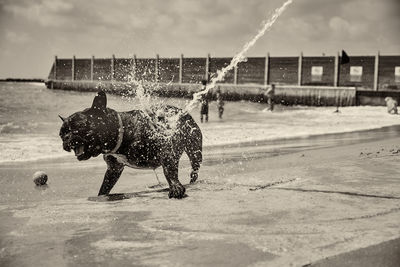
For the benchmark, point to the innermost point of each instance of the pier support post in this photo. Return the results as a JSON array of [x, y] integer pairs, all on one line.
[[73, 68], [336, 71], [55, 68], [157, 68], [207, 76], [112, 67], [299, 70], [266, 70], [181, 69], [376, 72], [91, 68]]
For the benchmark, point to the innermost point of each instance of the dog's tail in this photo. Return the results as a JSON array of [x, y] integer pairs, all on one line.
[[193, 144]]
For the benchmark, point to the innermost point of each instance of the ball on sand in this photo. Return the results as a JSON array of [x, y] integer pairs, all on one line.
[[40, 178]]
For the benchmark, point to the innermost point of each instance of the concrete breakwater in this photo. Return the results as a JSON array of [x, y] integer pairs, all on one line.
[[286, 95], [318, 81]]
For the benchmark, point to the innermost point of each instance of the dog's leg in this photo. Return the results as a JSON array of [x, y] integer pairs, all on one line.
[[176, 189], [114, 170], [192, 140], [195, 158], [193, 150]]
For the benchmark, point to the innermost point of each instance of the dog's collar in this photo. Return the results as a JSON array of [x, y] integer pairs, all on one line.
[[120, 136]]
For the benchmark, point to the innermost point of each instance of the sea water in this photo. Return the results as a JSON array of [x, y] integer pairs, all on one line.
[[29, 122]]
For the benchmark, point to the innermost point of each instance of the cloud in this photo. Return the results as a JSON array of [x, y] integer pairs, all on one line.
[[45, 12], [339, 25], [340, 29], [17, 38], [309, 28], [366, 21], [371, 11], [343, 29]]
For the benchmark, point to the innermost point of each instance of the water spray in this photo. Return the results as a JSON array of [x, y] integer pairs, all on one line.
[[162, 122], [239, 57]]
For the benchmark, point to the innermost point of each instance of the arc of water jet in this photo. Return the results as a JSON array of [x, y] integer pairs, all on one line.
[[239, 57]]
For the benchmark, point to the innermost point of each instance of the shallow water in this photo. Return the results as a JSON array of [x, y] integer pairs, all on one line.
[[29, 122]]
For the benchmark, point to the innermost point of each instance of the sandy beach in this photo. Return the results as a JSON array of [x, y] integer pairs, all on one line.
[[288, 209]]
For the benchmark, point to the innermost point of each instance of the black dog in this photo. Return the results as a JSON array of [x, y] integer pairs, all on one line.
[[135, 139]]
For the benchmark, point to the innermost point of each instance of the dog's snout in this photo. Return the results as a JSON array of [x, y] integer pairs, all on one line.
[[66, 147], [72, 142]]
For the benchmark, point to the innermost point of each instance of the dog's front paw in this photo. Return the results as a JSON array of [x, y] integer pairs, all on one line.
[[176, 191], [193, 176]]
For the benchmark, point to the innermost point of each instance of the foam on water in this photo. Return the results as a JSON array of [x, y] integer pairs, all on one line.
[[250, 124], [23, 147]]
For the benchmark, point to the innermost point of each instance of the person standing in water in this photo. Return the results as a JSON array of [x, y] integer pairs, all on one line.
[[269, 94], [220, 104], [204, 102]]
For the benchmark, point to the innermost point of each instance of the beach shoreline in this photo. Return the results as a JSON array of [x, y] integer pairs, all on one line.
[[29, 124], [267, 147], [286, 209]]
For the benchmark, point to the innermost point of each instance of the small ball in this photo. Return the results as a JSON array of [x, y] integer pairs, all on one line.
[[40, 178]]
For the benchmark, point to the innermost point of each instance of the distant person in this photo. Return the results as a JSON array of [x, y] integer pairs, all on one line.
[[391, 105], [204, 102], [220, 104], [269, 94]]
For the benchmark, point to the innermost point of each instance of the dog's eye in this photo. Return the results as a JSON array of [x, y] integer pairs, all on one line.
[[75, 131]]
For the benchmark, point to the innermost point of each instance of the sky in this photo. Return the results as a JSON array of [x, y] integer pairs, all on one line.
[[34, 31]]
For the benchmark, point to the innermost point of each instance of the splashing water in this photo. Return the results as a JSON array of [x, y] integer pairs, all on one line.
[[239, 57], [161, 118]]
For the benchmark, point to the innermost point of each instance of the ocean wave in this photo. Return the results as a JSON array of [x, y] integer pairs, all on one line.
[[23, 127], [17, 143], [10, 127], [17, 148]]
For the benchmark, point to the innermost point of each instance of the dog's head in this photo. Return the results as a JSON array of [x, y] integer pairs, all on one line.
[[87, 133]]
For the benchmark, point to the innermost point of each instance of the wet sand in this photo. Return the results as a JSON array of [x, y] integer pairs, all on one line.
[[276, 209], [383, 254]]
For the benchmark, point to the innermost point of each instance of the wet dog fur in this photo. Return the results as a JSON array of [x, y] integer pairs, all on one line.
[[132, 139]]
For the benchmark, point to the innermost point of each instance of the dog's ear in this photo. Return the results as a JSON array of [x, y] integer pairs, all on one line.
[[100, 101], [63, 119]]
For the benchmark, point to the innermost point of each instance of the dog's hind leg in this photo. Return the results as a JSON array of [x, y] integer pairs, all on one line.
[[195, 158], [193, 144], [176, 189], [114, 170], [194, 151]]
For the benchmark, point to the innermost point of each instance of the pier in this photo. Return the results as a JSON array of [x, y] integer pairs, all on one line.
[[303, 80]]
